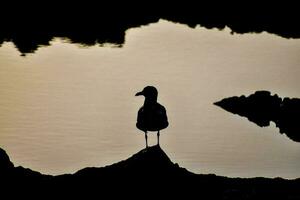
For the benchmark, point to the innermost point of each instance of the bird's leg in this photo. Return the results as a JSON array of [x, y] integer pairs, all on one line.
[[158, 134], [146, 137]]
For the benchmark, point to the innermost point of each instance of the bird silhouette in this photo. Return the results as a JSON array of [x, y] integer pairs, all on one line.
[[151, 116]]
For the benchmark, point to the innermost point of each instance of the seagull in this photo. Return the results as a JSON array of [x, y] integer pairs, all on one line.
[[151, 116]]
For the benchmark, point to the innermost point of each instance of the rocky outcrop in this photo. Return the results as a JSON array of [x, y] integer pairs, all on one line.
[[148, 174], [5, 164], [31, 26], [262, 108]]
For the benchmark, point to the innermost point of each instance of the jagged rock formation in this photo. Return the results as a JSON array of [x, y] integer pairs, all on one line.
[[262, 108], [148, 174], [30, 26]]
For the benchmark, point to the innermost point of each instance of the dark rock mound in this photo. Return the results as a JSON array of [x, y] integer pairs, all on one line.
[[149, 174], [29, 26], [5, 164], [262, 108]]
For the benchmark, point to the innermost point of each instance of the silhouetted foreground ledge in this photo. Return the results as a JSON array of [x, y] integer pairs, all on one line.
[[262, 108], [30, 26], [148, 174]]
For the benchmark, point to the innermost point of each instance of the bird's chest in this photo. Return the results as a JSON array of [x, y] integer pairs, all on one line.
[[149, 113]]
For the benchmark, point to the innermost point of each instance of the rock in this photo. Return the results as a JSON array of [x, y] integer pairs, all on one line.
[[261, 108], [89, 24], [147, 174], [5, 164]]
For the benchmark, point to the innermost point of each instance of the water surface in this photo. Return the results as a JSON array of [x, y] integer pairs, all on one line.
[[67, 106]]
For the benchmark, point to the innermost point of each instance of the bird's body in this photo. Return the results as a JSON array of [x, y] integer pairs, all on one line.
[[151, 116]]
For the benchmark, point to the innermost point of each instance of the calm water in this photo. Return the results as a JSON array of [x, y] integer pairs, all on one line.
[[67, 107]]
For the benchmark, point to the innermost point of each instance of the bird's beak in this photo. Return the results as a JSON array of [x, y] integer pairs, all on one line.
[[139, 94]]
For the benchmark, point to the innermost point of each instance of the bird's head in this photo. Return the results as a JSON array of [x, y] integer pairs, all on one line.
[[150, 93]]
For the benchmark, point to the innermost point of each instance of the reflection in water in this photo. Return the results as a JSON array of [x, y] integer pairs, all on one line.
[[79, 102]]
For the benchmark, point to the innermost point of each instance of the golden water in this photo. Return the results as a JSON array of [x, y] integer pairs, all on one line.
[[67, 107]]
